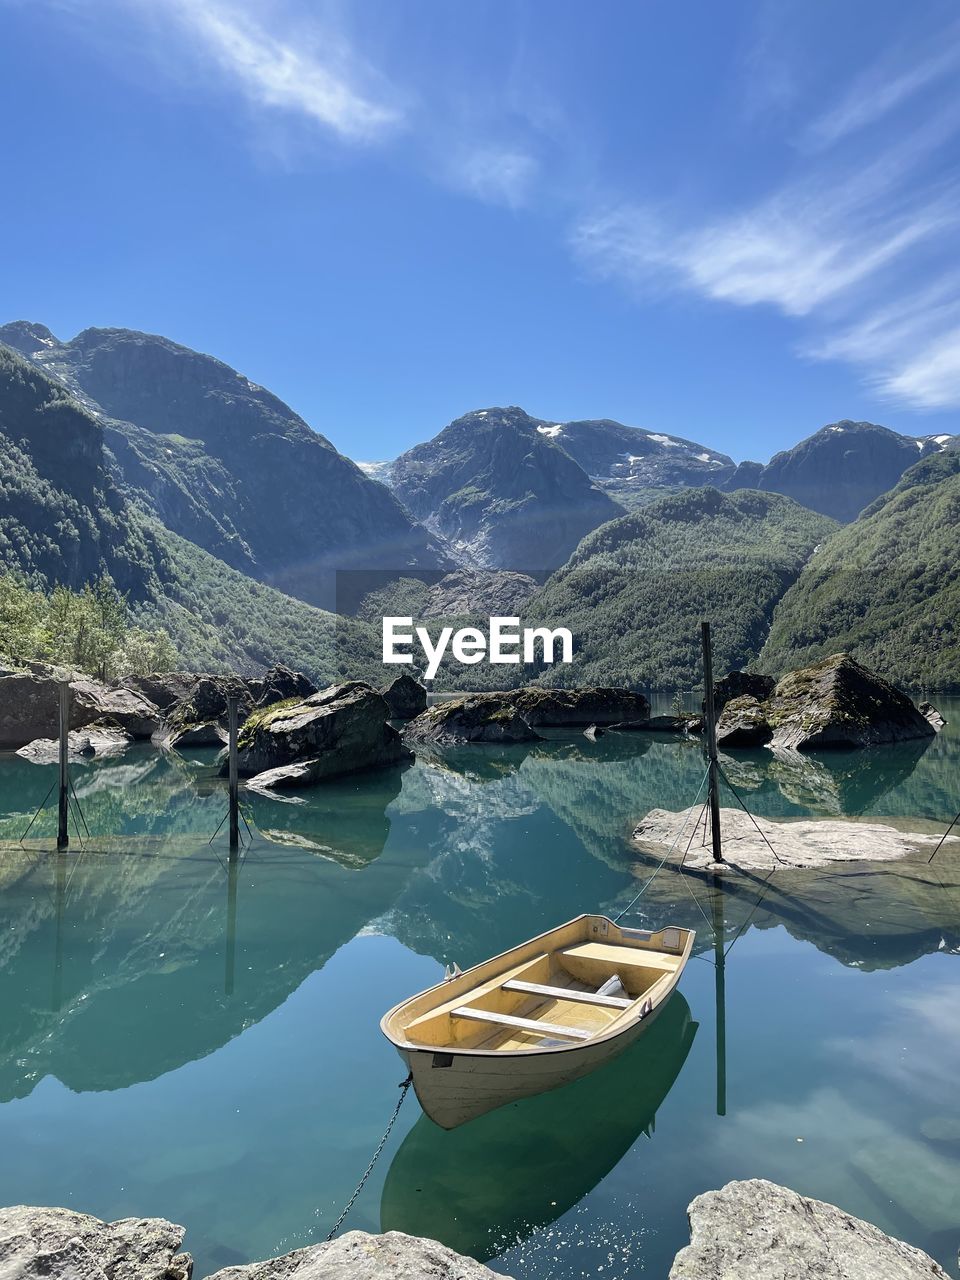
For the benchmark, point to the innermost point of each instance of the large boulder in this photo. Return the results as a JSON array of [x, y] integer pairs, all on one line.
[[59, 1244], [339, 730], [30, 708], [482, 717], [544, 707], [163, 689], [839, 703], [406, 697], [743, 723], [738, 684], [206, 702], [756, 1230], [359, 1256]]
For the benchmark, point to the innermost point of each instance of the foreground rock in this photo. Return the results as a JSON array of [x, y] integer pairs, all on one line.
[[543, 707], [839, 703], [406, 697], [82, 744], [339, 730], [756, 1230], [482, 717], [30, 708], [810, 843], [743, 723], [359, 1256], [50, 1244]]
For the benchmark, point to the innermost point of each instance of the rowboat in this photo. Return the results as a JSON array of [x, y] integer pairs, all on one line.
[[516, 1170], [536, 1017]]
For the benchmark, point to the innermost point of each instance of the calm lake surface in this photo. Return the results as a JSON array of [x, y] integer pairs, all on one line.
[[183, 1041]]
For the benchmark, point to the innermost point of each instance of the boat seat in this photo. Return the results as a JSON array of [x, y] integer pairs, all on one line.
[[614, 955], [523, 1024], [566, 993]]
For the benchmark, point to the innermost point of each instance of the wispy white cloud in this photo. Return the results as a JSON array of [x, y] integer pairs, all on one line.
[[308, 71], [848, 247], [882, 89], [496, 175]]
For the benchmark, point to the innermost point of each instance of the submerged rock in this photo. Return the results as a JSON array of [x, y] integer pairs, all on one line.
[[756, 1230], [360, 1256], [406, 697], [95, 740], [839, 703], [482, 717], [743, 723], [30, 708], [684, 724], [544, 707], [338, 730], [59, 1244]]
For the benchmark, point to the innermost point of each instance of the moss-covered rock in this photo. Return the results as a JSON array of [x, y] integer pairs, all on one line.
[[487, 717]]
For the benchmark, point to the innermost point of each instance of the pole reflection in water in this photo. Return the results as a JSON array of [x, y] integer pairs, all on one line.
[[497, 1179], [230, 953], [720, 980]]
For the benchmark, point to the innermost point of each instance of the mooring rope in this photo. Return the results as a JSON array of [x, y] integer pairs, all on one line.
[[743, 806], [404, 1088], [676, 840], [943, 838]]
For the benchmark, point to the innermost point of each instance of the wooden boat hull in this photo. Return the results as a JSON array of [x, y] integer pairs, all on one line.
[[521, 1167], [456, 1082]]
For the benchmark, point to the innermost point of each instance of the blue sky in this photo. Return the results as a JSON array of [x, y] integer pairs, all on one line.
[[734, 222]]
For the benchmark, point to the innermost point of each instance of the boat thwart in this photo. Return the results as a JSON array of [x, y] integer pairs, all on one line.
[[536, 1017]]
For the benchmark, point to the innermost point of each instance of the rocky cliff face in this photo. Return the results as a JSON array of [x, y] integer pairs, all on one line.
[[499, 487], [840, 469], [227, 465]]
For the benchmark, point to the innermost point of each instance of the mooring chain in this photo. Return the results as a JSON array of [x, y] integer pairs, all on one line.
[[404, 1087]]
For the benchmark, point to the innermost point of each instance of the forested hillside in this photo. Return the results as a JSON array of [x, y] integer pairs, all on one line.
[[886, 588]]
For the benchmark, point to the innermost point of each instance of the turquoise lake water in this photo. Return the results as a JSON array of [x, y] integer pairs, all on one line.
[[180, 1040]]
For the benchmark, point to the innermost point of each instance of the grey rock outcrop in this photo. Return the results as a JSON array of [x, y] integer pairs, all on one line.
[[756, 1230], [839, 703], [359, 1256], [163, 689], [82, 744], [206, 702], [206, 733], [29, 708], [545, 707], [406, 697], [736, 684], [59, 1244], [484, 717], [338, 730], [743, 723]]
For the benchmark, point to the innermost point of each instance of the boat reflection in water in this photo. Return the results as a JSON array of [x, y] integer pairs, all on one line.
[[512, 1171]]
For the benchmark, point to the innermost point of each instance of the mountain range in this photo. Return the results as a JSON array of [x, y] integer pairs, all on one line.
[[231, 522]]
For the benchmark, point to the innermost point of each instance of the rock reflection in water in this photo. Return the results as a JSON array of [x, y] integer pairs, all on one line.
[[492, 1182]]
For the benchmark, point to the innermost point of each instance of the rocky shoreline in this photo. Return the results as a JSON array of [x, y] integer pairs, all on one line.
[[750, 1230]]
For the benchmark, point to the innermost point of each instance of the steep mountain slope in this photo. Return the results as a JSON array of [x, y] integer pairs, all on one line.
[[632, 465], [64, 520], [840, 469], [634, 592], [229, 466], [886, 588], [497, 485]]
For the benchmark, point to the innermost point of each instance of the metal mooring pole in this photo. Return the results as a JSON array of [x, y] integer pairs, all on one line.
[[711, 720], [233, 775], [63, 797]]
